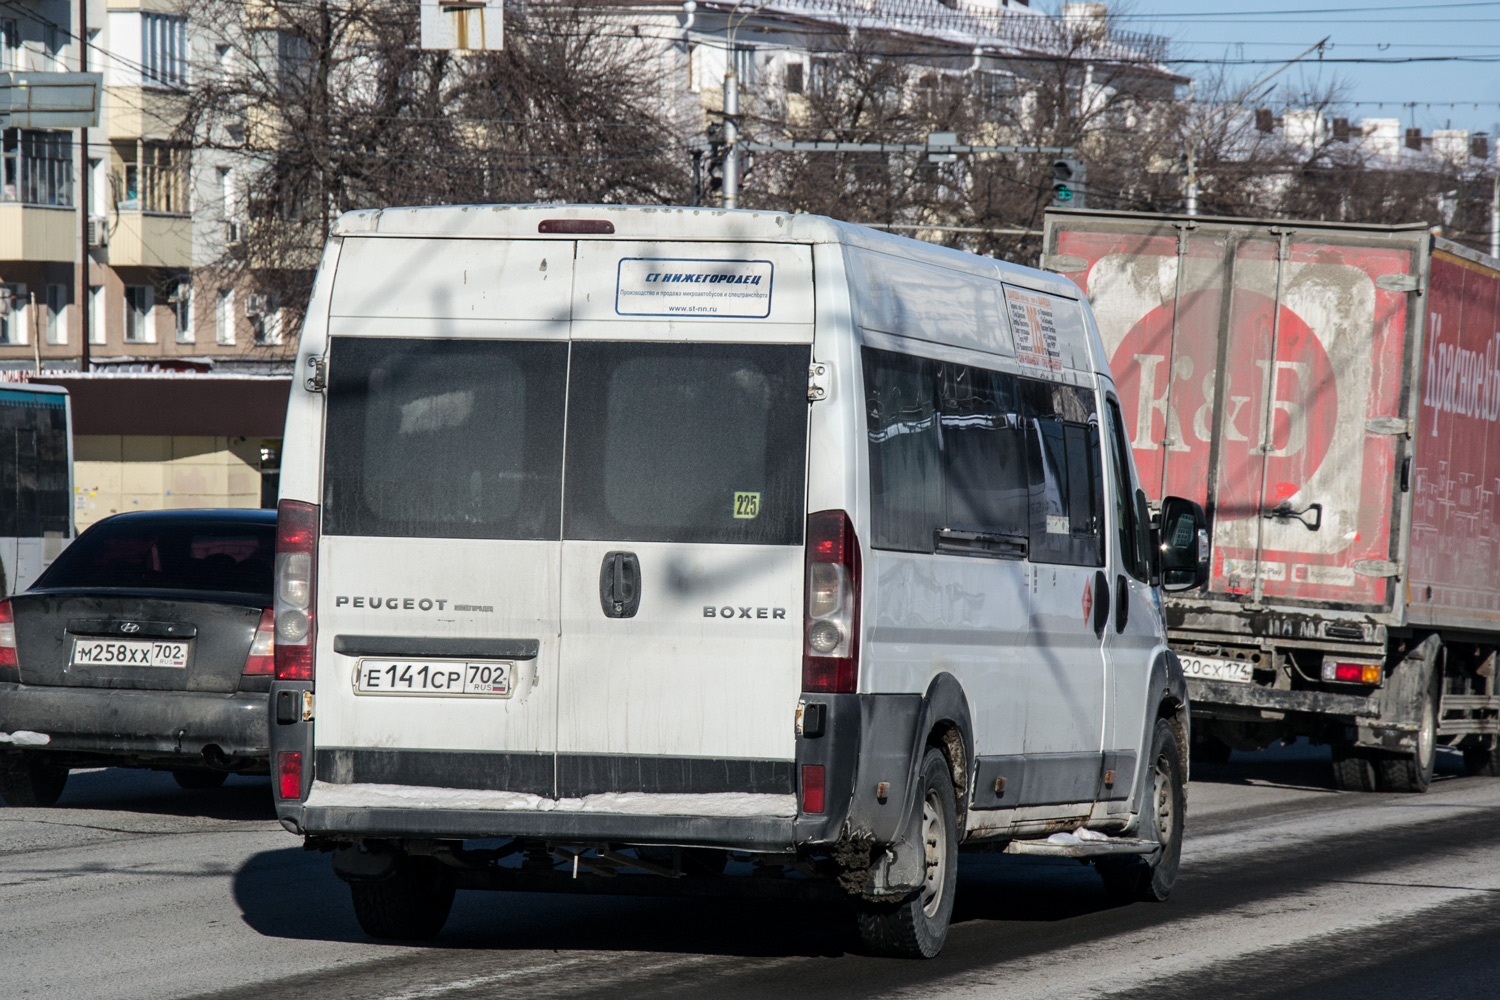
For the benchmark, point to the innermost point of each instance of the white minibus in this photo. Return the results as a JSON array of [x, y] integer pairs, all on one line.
[[667, 550]]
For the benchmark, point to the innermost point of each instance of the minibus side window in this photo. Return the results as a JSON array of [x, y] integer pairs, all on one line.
[[946, 451], [1066, 474], [1132, 547], [906, 462]]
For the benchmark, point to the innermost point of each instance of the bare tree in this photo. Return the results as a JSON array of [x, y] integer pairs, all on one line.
[[329, 107]]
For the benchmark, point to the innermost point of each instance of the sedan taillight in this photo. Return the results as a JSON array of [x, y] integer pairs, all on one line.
[[7, 635], [262, 658]]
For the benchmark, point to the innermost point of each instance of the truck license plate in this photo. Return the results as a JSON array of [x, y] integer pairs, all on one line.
[[489, 678], [129, 653], [1211, 668]]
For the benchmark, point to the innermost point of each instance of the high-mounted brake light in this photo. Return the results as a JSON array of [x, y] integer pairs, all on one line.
[[830, 629], [7, 635], [577, 227], [262, 658], [296, 589]]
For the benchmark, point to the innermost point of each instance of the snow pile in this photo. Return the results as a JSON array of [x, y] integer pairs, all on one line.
[[25, 738], [326, 794]]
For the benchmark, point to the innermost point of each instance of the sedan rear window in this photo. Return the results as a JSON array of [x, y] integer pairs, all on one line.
[[153, 555]]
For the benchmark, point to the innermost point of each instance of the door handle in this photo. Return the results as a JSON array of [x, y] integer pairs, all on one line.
[[1101, 603], [620, 585], [1122, 602]]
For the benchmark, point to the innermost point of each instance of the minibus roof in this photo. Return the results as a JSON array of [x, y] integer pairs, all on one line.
[[675, 224]]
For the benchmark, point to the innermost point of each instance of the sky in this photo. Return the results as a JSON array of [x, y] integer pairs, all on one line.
[[1431, 94]]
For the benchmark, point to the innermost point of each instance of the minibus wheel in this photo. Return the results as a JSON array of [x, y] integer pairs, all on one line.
[[917, 926], [410, 904], [1150, 878]]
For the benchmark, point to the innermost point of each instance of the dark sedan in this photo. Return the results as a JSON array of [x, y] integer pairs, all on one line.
[[147, 643]]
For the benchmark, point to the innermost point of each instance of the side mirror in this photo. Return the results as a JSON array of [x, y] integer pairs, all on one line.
[[1184, 545]]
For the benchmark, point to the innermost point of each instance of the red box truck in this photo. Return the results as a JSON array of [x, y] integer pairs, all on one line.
[[1331, 394]]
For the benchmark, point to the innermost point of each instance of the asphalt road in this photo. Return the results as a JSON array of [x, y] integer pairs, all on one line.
[[133, 888]]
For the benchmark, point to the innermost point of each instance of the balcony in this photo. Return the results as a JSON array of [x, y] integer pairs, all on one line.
[[38, 232], [150, 239], [135, 112]]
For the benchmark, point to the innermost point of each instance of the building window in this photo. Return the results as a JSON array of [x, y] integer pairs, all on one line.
[[224, 316], [182, 311], [139, 301], [12, 314], [794, 82], [163, 50], [37, 167], [98, 322], [10, 45], [269, 331], [57, 324]]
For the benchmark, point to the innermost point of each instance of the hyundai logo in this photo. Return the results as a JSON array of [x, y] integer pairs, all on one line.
[[130, 627]]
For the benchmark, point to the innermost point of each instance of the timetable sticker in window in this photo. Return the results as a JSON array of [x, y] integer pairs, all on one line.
[[1032, 327], [746, 505]]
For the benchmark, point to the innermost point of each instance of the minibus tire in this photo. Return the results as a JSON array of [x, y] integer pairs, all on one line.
[[31, 780], [1150, 878], [918, 926], [410, 904]]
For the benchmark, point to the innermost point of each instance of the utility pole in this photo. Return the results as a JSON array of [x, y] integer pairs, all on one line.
[[1191, 193], [82, 188], [731, 128], [1495, 206]]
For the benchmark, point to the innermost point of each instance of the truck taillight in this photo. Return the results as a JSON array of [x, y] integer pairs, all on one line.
[[1358, 673], [7, 635], [262, 658], [830, 627], [296, 589]]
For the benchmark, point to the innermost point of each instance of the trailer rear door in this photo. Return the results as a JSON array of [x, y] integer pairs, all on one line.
[[1262, 372]]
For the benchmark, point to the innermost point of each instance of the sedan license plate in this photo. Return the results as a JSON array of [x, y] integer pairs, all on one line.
[[488, 678], [129, 653], [1211, 668]]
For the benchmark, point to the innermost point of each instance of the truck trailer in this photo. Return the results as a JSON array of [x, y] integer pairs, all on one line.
[[1331, 394]]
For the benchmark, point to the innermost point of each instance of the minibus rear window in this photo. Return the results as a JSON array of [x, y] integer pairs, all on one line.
[[687, 442], [444, 438]]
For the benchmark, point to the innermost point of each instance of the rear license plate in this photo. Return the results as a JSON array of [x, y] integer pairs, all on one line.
[[487, 678], [1210, 668], [129, 653]]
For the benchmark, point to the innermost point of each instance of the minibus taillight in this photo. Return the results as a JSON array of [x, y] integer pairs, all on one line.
[[830, 627], [296, 589], [289, 774], [7, 635], [262, 658]]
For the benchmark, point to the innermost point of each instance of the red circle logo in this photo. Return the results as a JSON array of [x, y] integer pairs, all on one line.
[[1290, 437]]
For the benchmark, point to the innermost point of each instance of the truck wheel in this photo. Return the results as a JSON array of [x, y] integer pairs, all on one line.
[[1484, 761], [1353, 770], [1413, 772], [30, 779], [917, 927], [410, 904], [1151, 878], [198, 779]]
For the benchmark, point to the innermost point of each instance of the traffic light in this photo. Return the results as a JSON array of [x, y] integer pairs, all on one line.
[[1068, 186]]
